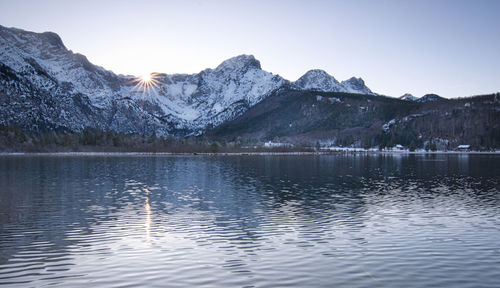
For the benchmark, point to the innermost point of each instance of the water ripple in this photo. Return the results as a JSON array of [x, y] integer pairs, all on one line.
[[261, 221]]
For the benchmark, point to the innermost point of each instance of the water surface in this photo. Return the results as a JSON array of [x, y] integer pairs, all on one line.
[[250, 221]]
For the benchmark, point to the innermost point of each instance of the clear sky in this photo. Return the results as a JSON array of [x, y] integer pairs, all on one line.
[[448, 47]]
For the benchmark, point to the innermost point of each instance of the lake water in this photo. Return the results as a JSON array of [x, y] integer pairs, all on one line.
[[250, 221]]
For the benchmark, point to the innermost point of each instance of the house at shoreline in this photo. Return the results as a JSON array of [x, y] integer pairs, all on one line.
[[463, 147]]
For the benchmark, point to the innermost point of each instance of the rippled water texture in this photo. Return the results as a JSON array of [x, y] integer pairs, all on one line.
[[250, 221]]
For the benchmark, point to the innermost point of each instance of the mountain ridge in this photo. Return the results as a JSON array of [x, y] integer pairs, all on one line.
[[306, 118], [181, 104], [44, 87]]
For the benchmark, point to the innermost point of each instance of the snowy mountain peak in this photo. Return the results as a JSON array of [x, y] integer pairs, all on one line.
[[319, 80], [239, 63], [51, 87], [318, 73], [355, 85], [38, 67], [29, 41], [355, 81], [408, 97]]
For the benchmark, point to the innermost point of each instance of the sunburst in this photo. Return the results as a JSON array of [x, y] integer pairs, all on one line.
[[147, 80], [146, 77], [148, 84]]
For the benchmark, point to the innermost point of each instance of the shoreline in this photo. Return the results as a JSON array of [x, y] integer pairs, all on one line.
[[338, 152]]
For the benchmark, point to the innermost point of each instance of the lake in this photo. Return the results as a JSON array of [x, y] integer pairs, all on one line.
[[376, 220]]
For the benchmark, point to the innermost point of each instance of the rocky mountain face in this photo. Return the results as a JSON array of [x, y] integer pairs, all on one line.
[[44, 86], [319, 80], [213, 96]]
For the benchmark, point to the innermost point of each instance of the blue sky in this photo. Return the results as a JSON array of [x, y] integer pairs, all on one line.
[[451, 48]]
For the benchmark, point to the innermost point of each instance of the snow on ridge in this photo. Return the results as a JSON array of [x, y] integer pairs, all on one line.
[[355, 85], [408, 97], [319, 80], [238, 63], [41, 53], [214, 90], [195, 101], [190, 101], [425, 98]]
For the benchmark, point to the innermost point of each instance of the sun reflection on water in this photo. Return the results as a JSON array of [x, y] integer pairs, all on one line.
[[147, 207]]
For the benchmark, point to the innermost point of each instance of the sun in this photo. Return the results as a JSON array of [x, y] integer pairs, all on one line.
[[146, 77], [146, 84]]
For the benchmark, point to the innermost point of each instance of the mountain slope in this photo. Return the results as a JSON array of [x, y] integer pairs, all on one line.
[[44, 86], [305, 117], [296, 114], [216, 95]]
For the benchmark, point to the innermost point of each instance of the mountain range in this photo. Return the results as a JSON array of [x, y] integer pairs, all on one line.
[[46, 87]]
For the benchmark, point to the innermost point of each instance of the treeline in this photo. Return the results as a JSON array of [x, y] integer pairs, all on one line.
[[14, 139]]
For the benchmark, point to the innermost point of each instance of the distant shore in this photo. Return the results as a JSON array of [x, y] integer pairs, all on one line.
[[356, 152]]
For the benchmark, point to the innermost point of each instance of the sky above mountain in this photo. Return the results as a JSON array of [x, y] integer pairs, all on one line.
[[447, 47]]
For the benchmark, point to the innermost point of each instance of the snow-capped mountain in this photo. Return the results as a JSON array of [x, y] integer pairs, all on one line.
[[408, 97], [425, 98], [356, 85], [216, 95], [319, 80], [45, 86]]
